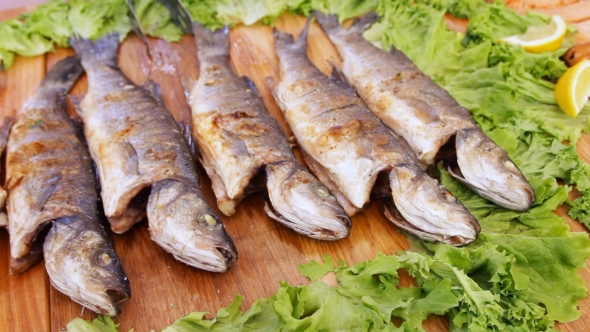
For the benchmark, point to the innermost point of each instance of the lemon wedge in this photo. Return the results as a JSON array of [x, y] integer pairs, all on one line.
[[538, 39], [573, 88]]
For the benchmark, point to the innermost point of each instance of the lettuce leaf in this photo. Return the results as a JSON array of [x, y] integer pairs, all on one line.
[[204, 12], [16, 39], [50, 20], [94, 19], [155, 20], [100, 324]]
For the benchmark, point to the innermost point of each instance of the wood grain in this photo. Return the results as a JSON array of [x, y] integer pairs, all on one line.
[[162, 288]]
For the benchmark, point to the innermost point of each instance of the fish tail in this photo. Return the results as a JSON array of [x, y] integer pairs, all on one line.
[[329, 22], [331, 25], [63, 75], [285, 40], [360, 25], [103, 50], [211, 43]]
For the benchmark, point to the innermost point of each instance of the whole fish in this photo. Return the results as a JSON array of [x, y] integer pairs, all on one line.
[[4, 131], [52, 188], [237, 138], [426, 115], [351, 145], [144, 162]]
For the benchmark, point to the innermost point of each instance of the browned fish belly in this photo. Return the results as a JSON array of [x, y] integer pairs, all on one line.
[[143, 159], [52, 186], [237, 137], [351, 145]]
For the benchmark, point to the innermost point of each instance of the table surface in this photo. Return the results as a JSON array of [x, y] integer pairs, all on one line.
[[164, 289]]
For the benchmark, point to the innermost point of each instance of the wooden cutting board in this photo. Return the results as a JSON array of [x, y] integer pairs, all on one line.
[[162, 288]]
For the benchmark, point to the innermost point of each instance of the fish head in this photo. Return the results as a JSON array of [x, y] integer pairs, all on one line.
[[486, 168], [82, 264], [423, 207], [302, 203], [184, 225]]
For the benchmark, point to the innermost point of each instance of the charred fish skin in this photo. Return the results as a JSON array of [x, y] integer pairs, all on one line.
[[237, 137], [52, 185], [136, 144], [422, 112], [335, 128]]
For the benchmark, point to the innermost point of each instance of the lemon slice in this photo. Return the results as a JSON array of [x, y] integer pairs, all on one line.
[[539, 39], [573, 88]]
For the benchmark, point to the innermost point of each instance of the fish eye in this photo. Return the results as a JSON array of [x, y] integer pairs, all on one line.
[[207, 219], [510, 165], [322, 192], [105, 257]]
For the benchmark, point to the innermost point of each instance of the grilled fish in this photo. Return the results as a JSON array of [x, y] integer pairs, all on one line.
[[4, 131], [237, 137], [351, 145], [51, 182], [426, 115], [137, 145]]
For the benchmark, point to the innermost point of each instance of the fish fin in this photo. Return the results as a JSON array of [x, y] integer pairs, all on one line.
[[76, 101], [179, 15], [155, 91], [104, 50], [329, 22], [136, 26], [187, 84], [252, 85], [337, 74], [44, 193], [187, 131], [282, 38], [5, 131], [302, 39], [423, 111], [63, 75], [131, 159], [211, 43], [78, 125]]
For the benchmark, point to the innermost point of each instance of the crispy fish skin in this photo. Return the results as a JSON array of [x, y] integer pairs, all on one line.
[[423, 113], [137, 144], [52, 184], [237, 137], [334, 127]]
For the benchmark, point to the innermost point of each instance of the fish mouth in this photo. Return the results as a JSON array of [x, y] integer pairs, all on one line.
[[118, 296], [214, 259], [200, 251], [340, 228], [392, 213], [105, 303], [489, 171]]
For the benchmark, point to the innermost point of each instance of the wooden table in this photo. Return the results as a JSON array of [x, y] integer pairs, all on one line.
[[164, 289]]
